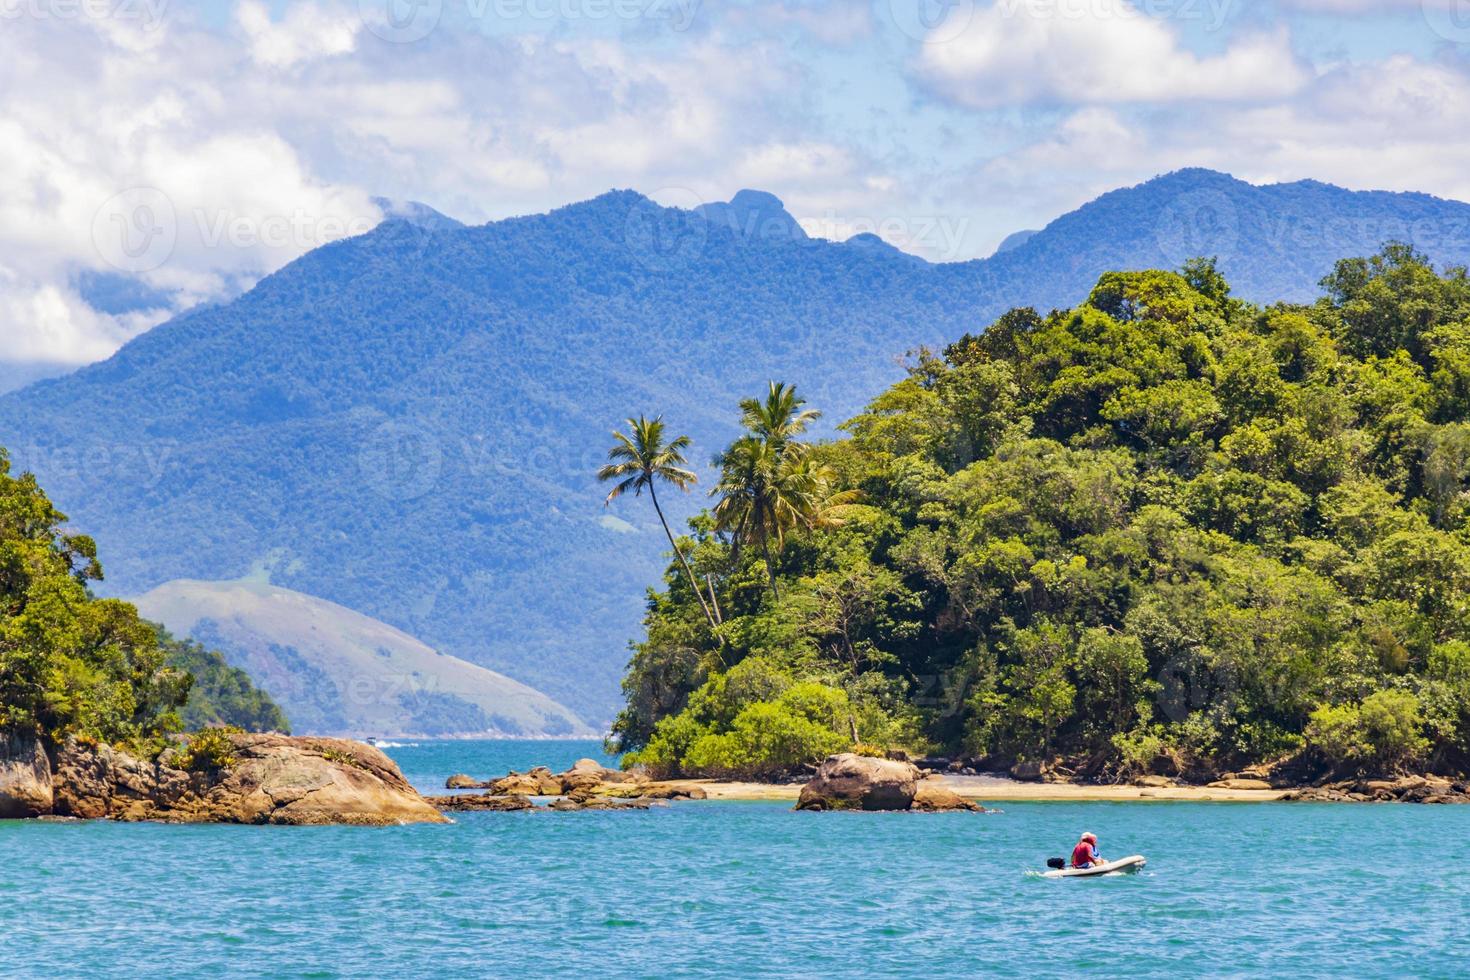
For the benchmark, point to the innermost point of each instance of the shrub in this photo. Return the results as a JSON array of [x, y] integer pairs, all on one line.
[[207, 750], [1383, 728]]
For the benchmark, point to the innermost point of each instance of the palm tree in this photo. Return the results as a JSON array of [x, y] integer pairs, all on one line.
[[769, 486], [780, 418], [638, 460]]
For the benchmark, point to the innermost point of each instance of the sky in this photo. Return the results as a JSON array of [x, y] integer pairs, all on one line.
[[160, 154]]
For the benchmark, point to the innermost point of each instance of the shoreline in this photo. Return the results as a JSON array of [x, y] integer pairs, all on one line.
[[981, 789]]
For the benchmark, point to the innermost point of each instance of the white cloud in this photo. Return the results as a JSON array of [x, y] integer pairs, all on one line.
[[1400, 124], [1102, 51], [217, 158], [307, 31]]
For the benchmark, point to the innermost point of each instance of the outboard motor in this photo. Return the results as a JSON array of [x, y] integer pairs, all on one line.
[[1056, 863]]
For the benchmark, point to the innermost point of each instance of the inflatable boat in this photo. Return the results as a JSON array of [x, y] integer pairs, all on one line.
[[1120, 866]]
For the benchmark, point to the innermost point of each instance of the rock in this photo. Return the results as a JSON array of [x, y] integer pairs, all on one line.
[[667, 791], [589, 772], [1031, 772], [855, 782], [1154, 782], [569, 804], [931, 797], [461, 781], [518, 784], [273, 779], [477, 802], [547, 782], [1236, 782], [25, 777]]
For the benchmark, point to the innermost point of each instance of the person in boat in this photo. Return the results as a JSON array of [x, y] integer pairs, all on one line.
[[1085, 855]]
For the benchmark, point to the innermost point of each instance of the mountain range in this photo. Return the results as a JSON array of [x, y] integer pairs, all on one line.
[[407, 422]]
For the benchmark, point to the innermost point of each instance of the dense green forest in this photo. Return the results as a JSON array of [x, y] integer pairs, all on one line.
[[1164, 531], [221, 695], [74, 664]]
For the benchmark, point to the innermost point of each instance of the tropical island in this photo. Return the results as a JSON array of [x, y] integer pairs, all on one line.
[[1164, 539], [1164, 534]]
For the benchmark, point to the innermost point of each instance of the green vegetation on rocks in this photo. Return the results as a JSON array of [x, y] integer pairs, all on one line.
[[1164, 531]]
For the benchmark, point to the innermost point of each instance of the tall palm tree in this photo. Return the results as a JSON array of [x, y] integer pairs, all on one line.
[[769, 486], [778, 419], [638, 460]]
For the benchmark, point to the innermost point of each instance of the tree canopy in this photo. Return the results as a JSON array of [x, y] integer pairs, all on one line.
[[1164, 530], [75, 664]]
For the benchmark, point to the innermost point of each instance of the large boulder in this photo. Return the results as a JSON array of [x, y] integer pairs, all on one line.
[[269, 779], [858, 782], [933, 797], [25, 777], [1240, 782]]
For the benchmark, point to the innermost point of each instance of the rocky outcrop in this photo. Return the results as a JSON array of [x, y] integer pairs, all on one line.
[[857, 782], [933, 797], [272, 779], [25, 777], [1407, 789], [460, 781], [1030, 771], [1240, 782], [481, 802]]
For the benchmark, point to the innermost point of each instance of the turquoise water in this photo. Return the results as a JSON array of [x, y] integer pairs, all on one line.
[[734, 888]]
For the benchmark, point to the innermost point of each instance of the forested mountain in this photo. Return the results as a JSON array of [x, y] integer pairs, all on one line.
[[1165, 531], [407, 422]]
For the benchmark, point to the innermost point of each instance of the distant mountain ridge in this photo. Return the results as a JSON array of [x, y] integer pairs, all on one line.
[[337, 672], [407, 422]]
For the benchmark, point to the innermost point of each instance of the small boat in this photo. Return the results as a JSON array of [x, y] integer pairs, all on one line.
[[1121, 866]]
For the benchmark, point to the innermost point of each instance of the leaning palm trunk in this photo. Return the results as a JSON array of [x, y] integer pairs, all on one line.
[[693, 582], [770, 568]]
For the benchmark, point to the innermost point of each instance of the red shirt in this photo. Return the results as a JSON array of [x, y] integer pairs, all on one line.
[[1083, 855]]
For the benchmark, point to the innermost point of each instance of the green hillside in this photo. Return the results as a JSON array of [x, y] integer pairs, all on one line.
[[1165, 530], [337, 672]]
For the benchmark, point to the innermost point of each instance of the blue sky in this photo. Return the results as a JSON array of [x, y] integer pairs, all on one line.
[[245, 132]]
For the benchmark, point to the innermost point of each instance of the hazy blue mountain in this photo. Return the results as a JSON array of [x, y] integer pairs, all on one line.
[[415, 213], [1016, 239], [14, 376], [338, 672], [406, 423]]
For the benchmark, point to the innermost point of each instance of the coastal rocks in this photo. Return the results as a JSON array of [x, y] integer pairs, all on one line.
[[1030, 771], [270, 779], [665, 791], [585, 802], [481, 802], [1407, 789], [1154, 782], [1237, 782], [856, 782], [931, 797], [25, 777], [540, 781], [461, 781]]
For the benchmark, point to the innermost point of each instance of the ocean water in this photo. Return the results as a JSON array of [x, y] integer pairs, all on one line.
[[733, 889]]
